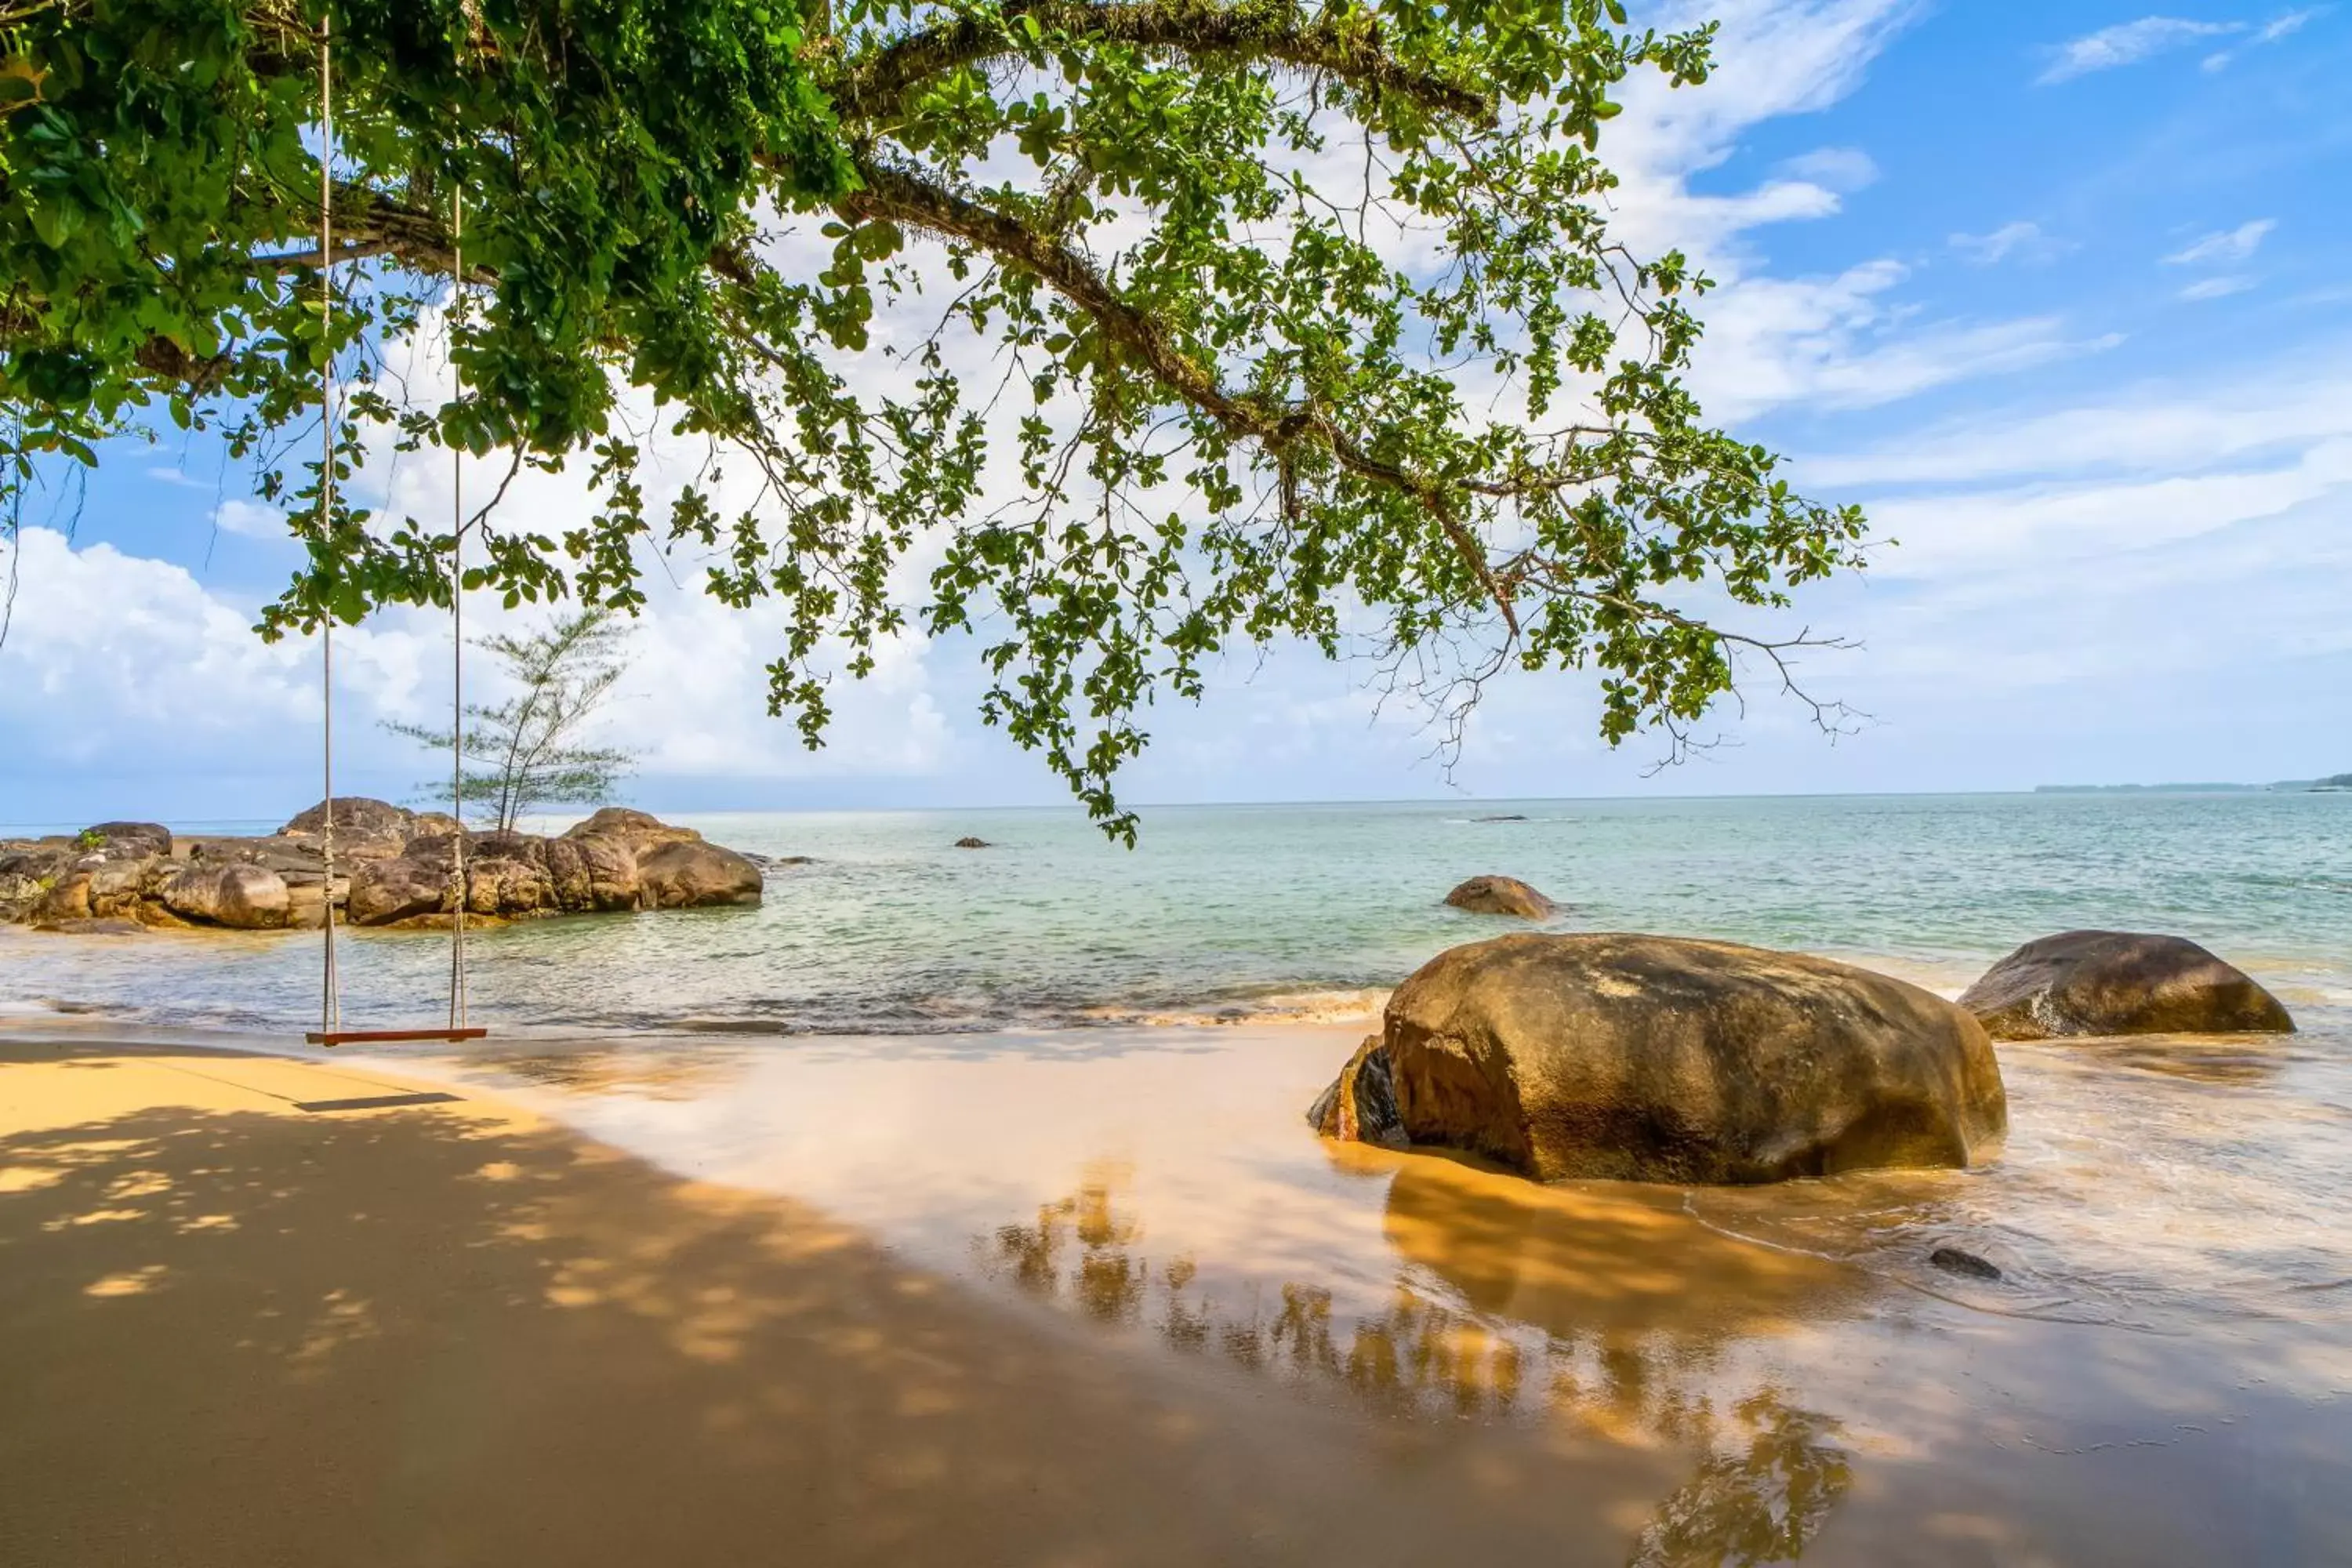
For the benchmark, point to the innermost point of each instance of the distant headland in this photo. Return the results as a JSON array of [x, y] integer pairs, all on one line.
[[2337, 782]]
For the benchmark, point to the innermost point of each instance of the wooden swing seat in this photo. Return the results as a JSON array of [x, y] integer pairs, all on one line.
[[389, 1037]]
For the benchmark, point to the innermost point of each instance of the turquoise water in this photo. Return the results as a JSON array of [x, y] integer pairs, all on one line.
[[1303, 911]]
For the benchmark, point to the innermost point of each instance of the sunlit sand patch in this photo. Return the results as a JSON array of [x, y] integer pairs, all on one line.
[[131, 1282], [342, 1320], [94, 1217], [28, 1178]]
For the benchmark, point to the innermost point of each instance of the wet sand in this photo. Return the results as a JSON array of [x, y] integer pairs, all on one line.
[[1100, 1298]]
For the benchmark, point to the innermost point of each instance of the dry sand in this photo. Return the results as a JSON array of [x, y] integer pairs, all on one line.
[[235, 1332]]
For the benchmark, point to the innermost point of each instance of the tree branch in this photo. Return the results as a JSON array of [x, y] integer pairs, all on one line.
[[895, 195], [872, 89]]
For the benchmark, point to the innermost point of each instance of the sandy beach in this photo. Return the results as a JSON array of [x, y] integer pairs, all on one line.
[[236, 1331], [1098, 1298]]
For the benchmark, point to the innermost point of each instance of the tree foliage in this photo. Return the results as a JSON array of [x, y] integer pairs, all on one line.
[[1290, 320], [523, 754]]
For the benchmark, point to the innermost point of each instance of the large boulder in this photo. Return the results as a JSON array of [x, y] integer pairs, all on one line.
[[398, 888], [690, 874], [596, 871], [1502, 896], [366, 828], [245, 897], [638, 830], [1657, 1059], [128, 841], [2119, 982], [29, 873]]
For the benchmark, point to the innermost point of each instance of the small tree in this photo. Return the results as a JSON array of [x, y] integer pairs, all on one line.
[[520, 753]]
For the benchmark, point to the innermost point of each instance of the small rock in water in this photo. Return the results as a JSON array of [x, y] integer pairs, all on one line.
[[974, 844], [1502, 896], [1952, 1260], [1513, 818]]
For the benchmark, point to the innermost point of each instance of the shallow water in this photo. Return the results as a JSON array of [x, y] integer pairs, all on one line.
[[1297, 912], [2163, 1375]]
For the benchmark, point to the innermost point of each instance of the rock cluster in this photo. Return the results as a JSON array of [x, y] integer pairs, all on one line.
[[393, 867], [1656, 1059]]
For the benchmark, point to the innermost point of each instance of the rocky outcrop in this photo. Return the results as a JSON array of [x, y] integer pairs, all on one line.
[[2119, 982], [1502, 896], [1656, 1059], [393, 867], [970, 843], [617, 859]]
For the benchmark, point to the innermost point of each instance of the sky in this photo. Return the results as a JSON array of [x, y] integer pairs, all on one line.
[[2060, 294]]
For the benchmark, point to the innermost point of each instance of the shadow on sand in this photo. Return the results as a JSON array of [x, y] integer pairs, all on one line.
[[442, 1336]]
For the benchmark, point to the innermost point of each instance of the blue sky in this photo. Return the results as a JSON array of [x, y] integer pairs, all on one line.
[[2062, 292]]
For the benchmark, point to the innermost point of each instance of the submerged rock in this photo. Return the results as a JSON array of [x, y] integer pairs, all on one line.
[[1952, 1260], [2119, 982], [969, 842], [110, 926], [1502, 896], [1656, 1059]]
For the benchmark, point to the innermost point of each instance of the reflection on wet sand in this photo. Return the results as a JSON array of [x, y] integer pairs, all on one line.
[[1599, 1310], [2230, 1059], [2156, 1377], [683, 1073], [1765, 1505]]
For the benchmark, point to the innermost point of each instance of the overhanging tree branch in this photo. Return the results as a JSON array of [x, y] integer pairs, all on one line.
[[1347, 46]]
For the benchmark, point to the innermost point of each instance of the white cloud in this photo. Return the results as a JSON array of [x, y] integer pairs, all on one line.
[[1844, 340], [2224, 246], [2128, 43], [1832, 168], [1836, 343], [124, 666], [2289, 24], [2148, 431], [2027, 530], [2217, 287], [249, 519], [2283, 26], [2023, 240]]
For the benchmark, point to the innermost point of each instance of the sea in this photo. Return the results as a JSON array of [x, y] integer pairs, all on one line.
[[878, 924]]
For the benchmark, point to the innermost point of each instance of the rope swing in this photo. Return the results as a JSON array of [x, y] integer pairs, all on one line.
[[331, 1030]]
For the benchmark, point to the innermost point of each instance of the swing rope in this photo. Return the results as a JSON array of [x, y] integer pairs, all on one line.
[[331, 1030], [458, 627], [330, 1001]]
